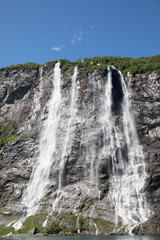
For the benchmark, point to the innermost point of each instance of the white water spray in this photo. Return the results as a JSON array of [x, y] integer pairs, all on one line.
[[96, 228], [120, 147], [36, 105], [72, 111], [37, 187], [107, 121], [77, 225], [128, 172]]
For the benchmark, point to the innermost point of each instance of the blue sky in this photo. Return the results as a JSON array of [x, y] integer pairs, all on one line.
[[44, 30]]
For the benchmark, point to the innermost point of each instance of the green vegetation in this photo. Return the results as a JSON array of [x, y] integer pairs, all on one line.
[[53, 228], [123, 229], [84, 223], [31, 222], [10, 216], [49, 65], [103, 224], [132, 65], [120, 228], [89, 65], [69, 218], [149, 227], [51, 62], [5, 230], [28, 65], [65, 223], [8, 133]]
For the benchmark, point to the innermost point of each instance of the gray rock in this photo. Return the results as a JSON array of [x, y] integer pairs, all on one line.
[[81, 196]]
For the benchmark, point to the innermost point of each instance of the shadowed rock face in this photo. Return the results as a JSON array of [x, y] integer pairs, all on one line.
[[117, 92], [21, 91]]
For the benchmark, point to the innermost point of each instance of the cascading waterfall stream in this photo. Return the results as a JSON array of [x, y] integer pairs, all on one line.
[[107, 121], [37, 186], [72, 115], [128, 172], [113, 139], [91, 145], [69, 133], [36, 106]]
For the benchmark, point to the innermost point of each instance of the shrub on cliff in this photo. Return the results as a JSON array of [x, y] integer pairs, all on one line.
[[89, 65], [8, 133], [28, 65]]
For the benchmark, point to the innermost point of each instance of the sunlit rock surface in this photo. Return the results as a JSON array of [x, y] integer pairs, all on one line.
[[79, 179]]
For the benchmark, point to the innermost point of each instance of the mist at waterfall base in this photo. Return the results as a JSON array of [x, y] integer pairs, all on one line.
[[87, 237], [128, 172]]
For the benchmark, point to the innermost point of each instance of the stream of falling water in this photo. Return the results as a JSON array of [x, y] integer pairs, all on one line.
[[36, 105], [107, 121], [128, 170], [39, 181], [72, 115], [120, 146], [69, 133]]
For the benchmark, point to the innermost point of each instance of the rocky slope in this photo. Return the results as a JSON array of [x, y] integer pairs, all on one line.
[[83, 205]]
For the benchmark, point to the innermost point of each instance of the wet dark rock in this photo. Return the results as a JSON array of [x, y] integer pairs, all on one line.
[[17, 92], [32, 232]]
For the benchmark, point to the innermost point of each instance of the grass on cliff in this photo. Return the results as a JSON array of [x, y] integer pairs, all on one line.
[[64, 223], [32, 222], [8, 133], [4, 230]]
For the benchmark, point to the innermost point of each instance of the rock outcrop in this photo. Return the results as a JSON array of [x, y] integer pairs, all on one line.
[[83, 205]]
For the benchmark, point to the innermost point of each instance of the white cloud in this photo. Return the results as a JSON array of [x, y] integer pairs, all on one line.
[[73, 41], [56, 49], [81, 32], [77, 37]]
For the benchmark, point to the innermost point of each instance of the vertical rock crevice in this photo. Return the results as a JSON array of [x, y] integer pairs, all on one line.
[[96, 163]]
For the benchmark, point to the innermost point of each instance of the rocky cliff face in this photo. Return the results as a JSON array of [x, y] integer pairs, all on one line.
[[81, 202]]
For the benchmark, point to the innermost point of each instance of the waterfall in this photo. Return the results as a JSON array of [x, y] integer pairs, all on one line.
[[107, 121], [72, 111], [110, 138], [36, 105], [96, 228], [77, 225], [37, 187], [128, 167]]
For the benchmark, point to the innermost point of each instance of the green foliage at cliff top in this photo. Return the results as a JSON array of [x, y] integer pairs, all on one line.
[[88, 65], [28, 65], [132, 65]]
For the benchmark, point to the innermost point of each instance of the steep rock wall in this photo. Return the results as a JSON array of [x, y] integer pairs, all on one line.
[[21, 91]]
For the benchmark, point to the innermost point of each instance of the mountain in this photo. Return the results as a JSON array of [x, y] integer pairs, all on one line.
[[80, 147]]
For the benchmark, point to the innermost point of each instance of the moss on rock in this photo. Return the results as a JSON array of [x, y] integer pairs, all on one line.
[[5, 230], [8, 133], [32, 222]]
